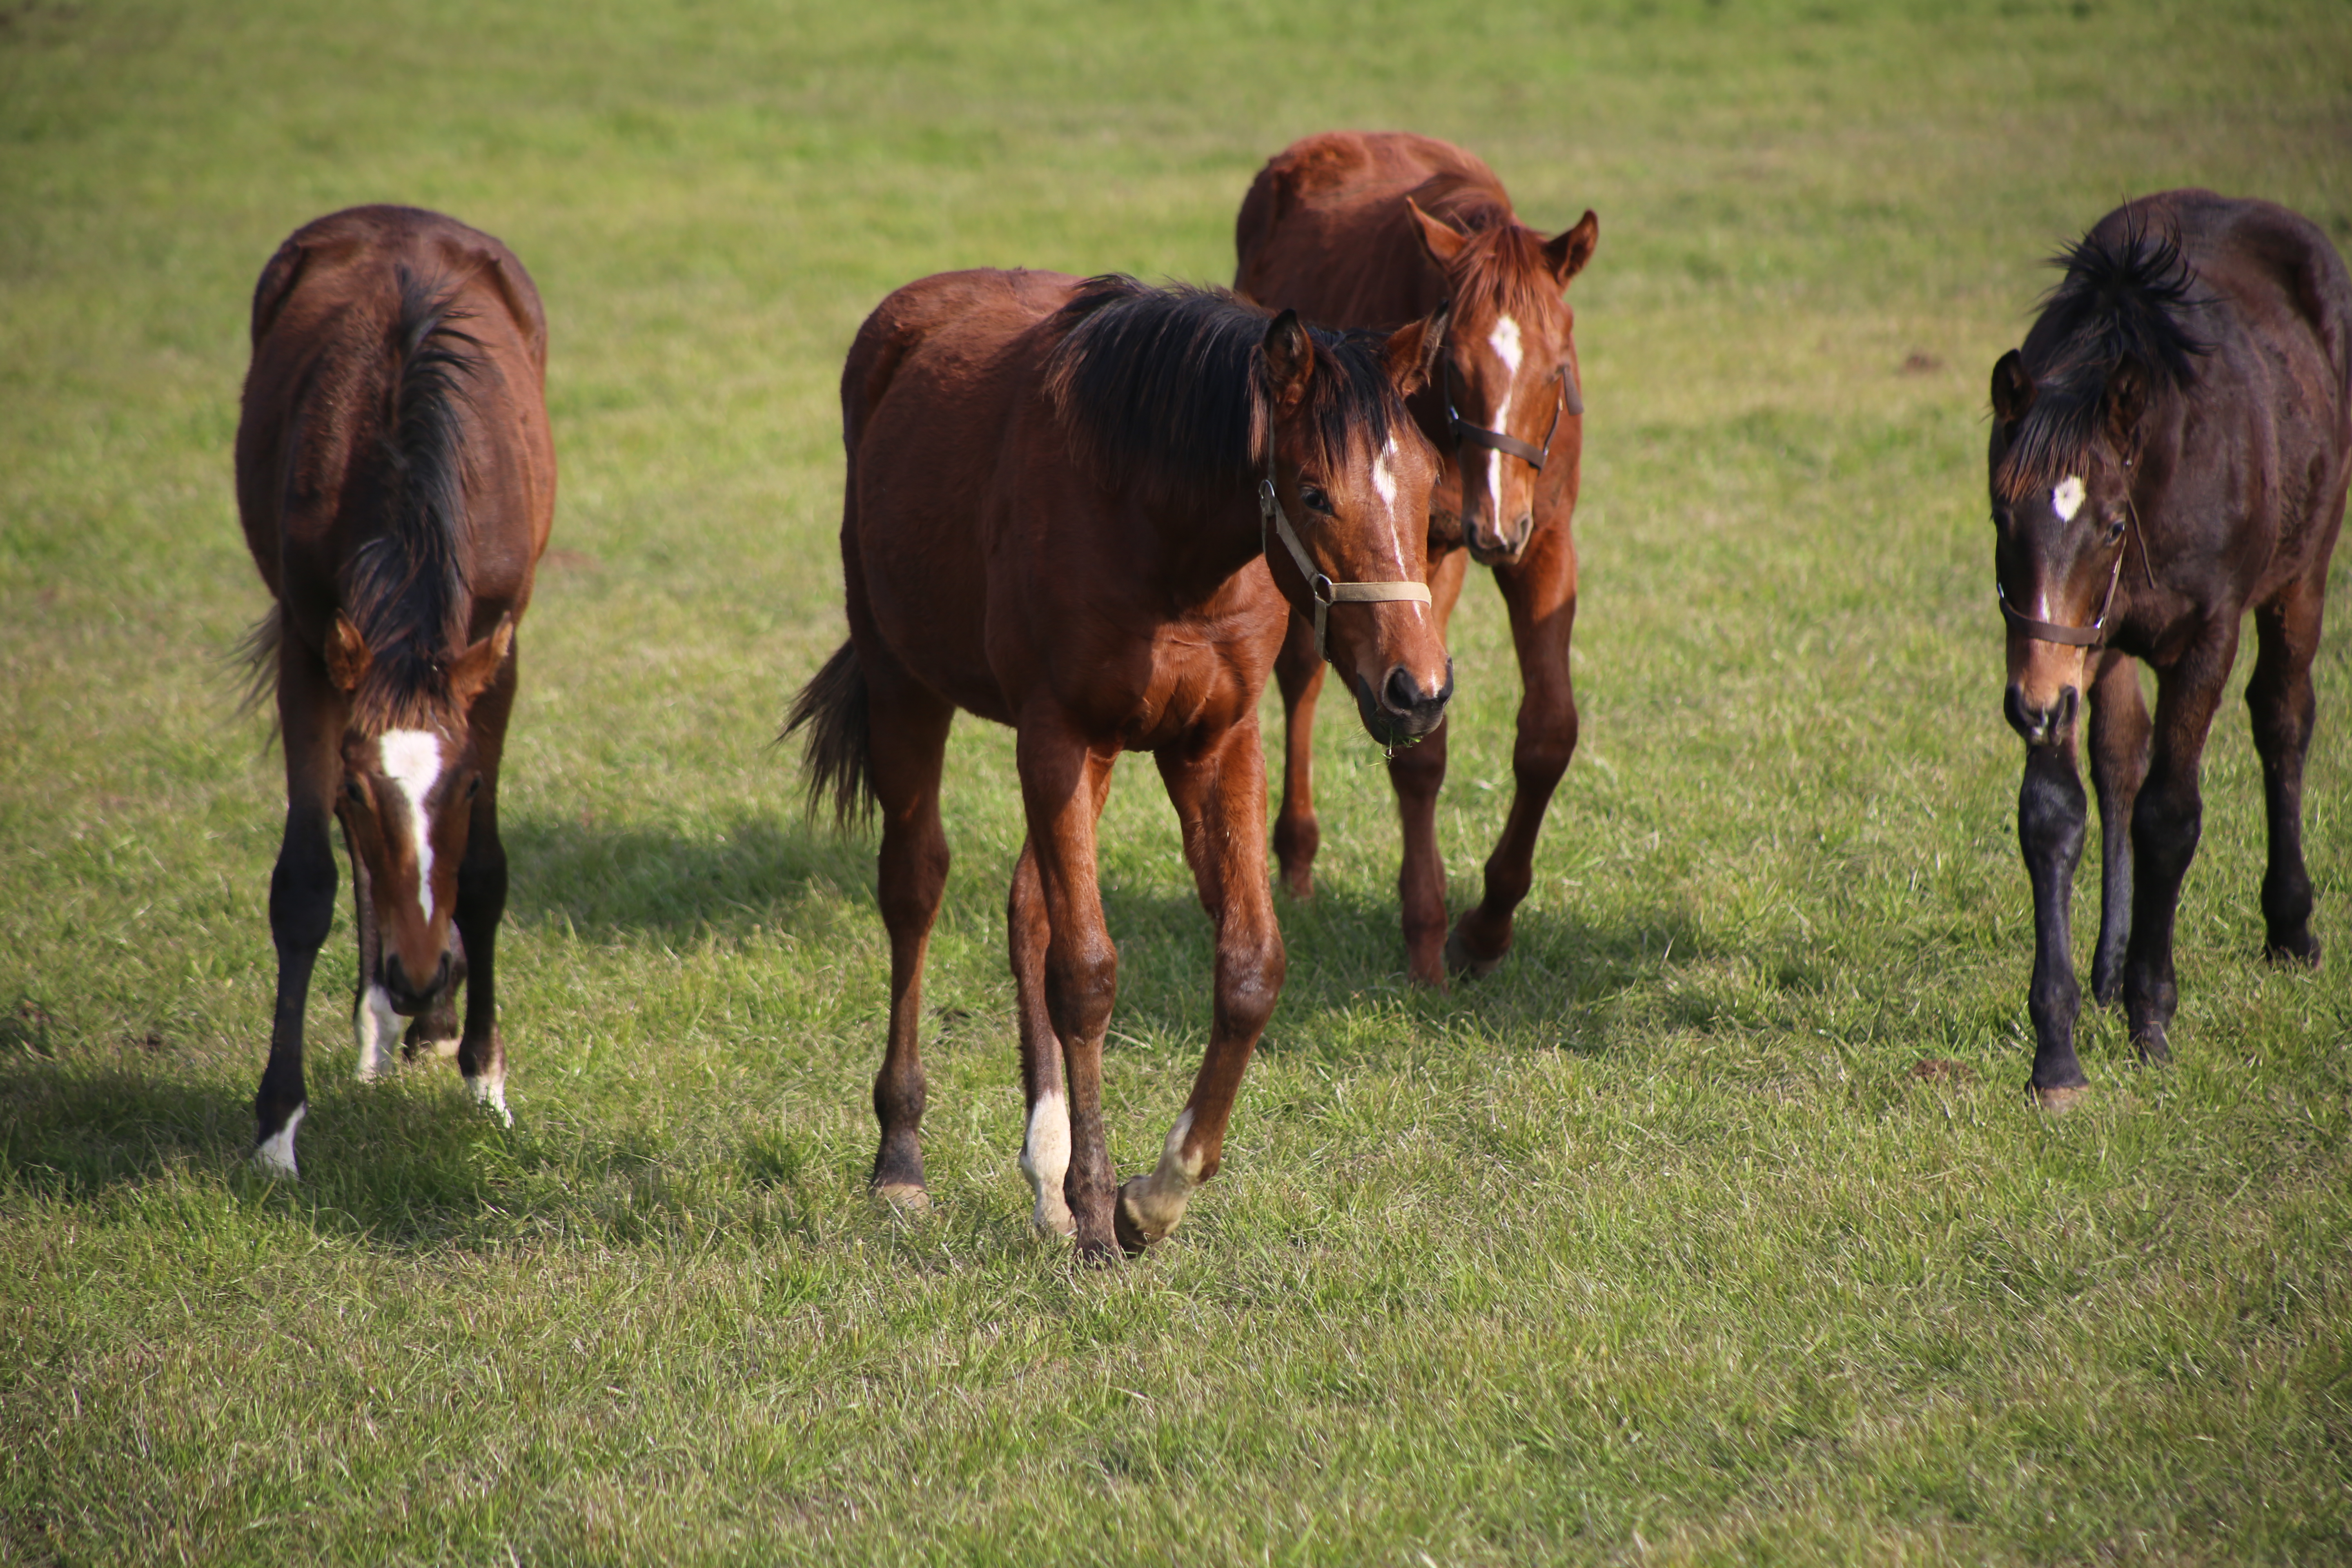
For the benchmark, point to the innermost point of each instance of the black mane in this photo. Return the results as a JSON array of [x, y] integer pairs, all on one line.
[[2125, 299], [406, 588], [1166, 388]]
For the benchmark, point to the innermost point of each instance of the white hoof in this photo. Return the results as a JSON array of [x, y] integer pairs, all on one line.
[[274, 1155], [492, 1093]]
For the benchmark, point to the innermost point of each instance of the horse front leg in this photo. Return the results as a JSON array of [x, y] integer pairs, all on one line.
[[1417, 773], [1539, 589], [2051, 820], [2284, 710], [1297, 834], [2119, 738], [301, 893], [2167, 821], [1218, 792], [1063, 784], [481, 905]]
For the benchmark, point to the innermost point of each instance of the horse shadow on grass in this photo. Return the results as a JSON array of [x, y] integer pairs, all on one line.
[[779, 873], [407, 1164]]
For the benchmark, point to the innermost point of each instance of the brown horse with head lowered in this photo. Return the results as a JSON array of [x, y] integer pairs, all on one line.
[[1369, 230], [397, 480], [2170, 449], [1086, 509]]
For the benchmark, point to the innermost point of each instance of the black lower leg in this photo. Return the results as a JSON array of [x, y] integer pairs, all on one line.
[[2051, 818]]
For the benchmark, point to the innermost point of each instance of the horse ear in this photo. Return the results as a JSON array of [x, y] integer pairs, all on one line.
[[1289, 360], [2012, 389], [1440, 239], [1568, 251], [475, 669], [347, 654], [1411, 350], [2127, 401]]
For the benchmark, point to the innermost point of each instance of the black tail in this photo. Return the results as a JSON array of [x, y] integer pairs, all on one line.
[[838, 755]]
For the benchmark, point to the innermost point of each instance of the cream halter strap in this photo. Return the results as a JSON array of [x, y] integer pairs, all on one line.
[[1325, 592]]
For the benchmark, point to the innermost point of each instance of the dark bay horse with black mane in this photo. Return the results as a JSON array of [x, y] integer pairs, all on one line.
[[2169, 450], [397, 480], [1369, 230], [1086, 509]]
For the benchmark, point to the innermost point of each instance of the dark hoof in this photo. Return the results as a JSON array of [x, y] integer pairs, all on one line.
[[2058, 1101], [1300, 883], [1459, 960], [1101, 1253], [2108, 985], [2300, 950]]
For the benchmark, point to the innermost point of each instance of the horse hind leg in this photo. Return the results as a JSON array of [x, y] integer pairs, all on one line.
[[2119, 748], [2285, 709], [1297, 834], [1046, 1136], [907, 748], [374, 1025]]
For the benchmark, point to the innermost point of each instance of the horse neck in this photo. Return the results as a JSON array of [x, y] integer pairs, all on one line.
[[1200, 543]]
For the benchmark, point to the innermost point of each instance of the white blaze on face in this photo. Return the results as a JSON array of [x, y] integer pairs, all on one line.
[[1045, 1160], [1505, 340], [1384, 481], [2067, 499], [411, 758]]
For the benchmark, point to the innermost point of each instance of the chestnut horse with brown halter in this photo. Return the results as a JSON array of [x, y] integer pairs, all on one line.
[[1064, 498], [1368, 230], [2170, 449], [396, 482]]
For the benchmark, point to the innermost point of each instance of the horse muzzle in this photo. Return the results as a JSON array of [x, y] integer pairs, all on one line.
[[407, 998], [2041, 726], [1400, 712]]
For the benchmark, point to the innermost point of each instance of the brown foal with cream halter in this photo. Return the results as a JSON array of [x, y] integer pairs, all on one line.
[[1058, 516]]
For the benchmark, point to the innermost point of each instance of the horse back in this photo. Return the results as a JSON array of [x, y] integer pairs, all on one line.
[[327, 358], [948, 442], [1324, 229]]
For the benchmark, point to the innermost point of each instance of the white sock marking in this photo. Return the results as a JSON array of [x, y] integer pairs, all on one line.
[[1159, 1203], [2067, 499], [1045, 1160], [377, 1027], [412, 759], [275, 1154], [492, 1093], [1505, 340]]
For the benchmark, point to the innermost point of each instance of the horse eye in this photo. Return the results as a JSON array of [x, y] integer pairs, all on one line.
[[2115, 528], [1314, 499], [473, 786], [353, 792]]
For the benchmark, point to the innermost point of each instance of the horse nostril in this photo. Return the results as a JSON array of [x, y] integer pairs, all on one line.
[[1401, 693]]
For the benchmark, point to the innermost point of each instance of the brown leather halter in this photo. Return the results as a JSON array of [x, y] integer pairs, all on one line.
[[2093, 636], [1468, 435], [1325, 592]]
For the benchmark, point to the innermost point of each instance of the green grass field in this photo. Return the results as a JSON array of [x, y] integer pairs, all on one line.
[[1660, 1245]]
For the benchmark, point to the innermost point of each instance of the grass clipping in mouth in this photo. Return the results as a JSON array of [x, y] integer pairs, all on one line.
[[1715, 1222]]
